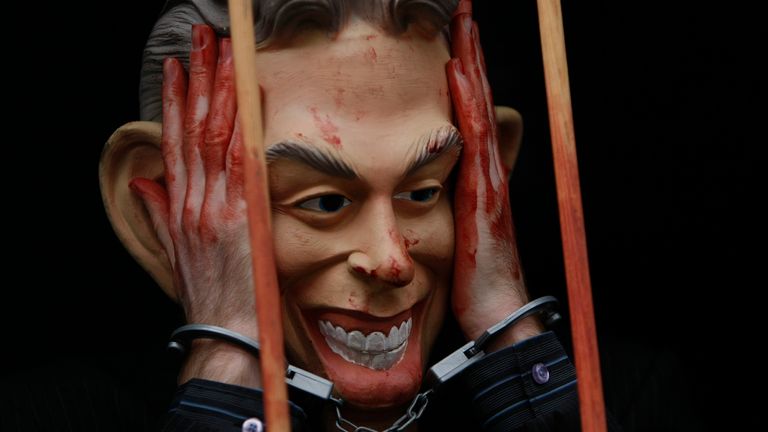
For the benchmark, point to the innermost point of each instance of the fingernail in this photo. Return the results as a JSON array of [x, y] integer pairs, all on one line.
[[199, 38], [168, 65], [466, 22], [225, 49], [464, 8]]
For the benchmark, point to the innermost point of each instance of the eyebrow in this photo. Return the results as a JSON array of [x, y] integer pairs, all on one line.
[[428, 147], [433, 144], [311, 156]]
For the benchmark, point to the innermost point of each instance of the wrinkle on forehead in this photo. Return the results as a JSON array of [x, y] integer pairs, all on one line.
[[357, 67]]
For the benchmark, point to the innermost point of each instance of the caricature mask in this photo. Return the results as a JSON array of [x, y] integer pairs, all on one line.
[[361, 144]]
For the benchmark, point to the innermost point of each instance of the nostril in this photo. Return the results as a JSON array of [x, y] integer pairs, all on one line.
[[362, 271], [359, 269], [361, 264]]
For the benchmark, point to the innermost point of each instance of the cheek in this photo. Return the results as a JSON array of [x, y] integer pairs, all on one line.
[[296, 248], [431, 239], [300, 254]]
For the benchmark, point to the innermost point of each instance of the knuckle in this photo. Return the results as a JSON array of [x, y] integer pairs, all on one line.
[[194, 128], [217, 136], [198, 72], [188, 219], [224, 86]]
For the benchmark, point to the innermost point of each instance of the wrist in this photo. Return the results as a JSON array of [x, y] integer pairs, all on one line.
[[221, 361], [527, 325], [526, 328]]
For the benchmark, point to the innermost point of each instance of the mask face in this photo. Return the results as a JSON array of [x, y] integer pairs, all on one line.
[[360, 147]]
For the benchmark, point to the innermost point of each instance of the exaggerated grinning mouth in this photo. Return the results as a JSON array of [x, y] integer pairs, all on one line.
[[375, 350]]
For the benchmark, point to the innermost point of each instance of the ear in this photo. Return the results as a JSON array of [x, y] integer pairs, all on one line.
[[134, 151], [510, 127]]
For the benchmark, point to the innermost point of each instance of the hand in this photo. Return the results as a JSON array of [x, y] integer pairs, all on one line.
[[488, 283], [199, 214]]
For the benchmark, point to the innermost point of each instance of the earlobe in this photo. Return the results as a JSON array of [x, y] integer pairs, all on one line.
[[510, 127], [134, 151]]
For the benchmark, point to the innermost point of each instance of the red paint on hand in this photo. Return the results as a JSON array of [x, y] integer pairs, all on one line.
[[198, 213], [481, 200]]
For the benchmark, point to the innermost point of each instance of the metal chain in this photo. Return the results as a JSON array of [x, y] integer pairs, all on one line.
[[413, 413]]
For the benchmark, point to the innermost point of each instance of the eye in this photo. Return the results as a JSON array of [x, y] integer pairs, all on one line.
[[326, 203], [420, 195]]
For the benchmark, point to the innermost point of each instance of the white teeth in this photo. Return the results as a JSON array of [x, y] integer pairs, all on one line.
[[375, 351], [356, 341], [375, 342]]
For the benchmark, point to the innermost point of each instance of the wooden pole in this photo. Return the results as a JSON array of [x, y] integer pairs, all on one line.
[[590, 385], [266, 290]]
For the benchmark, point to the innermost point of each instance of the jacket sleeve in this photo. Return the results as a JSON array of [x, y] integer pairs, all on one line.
[[529, 386], [203, 406]]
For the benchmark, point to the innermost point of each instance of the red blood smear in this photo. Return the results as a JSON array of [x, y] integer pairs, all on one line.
[[327, 128]]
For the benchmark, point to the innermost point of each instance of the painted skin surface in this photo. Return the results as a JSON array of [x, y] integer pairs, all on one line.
[[488, 283], [380, 253]]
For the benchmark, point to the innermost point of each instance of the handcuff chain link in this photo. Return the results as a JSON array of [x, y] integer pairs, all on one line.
[[413, 413]]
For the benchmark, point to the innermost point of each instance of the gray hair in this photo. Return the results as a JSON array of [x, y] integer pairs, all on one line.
[[276, 21]]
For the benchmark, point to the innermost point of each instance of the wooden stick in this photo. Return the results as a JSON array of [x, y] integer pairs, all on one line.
[[266, 289], [590, 385]]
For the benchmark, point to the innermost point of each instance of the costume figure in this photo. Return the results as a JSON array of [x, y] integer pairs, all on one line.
[[390, 210]]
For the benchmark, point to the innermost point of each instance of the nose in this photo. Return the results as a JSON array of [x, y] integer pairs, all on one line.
[[384, 255]]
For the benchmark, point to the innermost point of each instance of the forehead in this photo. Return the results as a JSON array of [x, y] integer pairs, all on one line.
[[360, 73]]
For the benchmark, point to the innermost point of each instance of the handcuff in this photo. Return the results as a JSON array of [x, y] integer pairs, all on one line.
[[322, 388]]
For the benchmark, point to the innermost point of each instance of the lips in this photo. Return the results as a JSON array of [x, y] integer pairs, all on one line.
[[376, 350], [370, 364]]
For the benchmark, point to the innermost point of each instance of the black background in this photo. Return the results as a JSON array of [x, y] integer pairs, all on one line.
[[669, 108]]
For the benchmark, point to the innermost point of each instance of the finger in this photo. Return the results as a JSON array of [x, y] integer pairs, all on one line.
[[202, 70], [174, 102], [155, 200], [234, 166], [218, 134], [463, 48], [482, 78], [218, 130], [478, 48], [496, 168], [463, 103], [476, 162]]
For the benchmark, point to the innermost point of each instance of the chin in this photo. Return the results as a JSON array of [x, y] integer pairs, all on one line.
[[374, 362]]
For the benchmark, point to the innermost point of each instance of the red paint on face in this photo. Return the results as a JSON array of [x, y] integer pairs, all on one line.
[[371, 37], [410, 238], [394, 269], [359, 114], [338, 98], [371, 55], [409, 243], [327, 128]]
